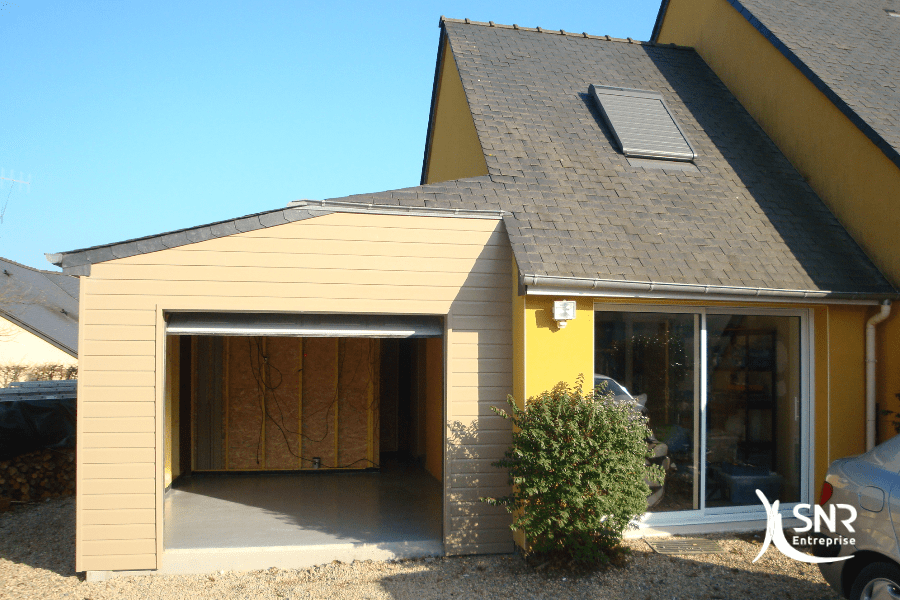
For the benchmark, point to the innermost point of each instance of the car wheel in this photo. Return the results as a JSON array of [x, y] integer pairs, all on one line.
[[878, 581]]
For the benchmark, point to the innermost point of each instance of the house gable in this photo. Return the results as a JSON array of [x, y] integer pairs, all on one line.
[[842, 141], [452, 149]]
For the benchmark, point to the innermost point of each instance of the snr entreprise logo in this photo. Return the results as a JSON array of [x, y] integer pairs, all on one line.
[[775, 529]]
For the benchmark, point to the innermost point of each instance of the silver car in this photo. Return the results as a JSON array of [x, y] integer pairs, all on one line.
[[870, 483]]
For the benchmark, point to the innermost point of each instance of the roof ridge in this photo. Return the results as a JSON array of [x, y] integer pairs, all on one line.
[[45, 274], [539, 29]]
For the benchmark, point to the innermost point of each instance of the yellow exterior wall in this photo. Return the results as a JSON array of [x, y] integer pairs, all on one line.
[[455, 152], [851, 175], [554, 354], [518, 331], [334, 263], [847, 384]]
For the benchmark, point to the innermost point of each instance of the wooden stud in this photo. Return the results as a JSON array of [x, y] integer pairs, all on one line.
[[193, 448], [300, 408], [376, 408], [337, 398], [370, 393], [262, 375], [226, 354]]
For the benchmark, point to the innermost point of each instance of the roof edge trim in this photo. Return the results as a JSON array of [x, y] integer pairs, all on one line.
[[660, 17], [77, 262], [397, 209], [536, 284], [435, 89]]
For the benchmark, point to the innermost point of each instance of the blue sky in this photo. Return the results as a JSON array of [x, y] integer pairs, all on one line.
[[131, 118]]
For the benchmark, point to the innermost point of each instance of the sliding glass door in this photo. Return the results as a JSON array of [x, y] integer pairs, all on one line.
[[752, 409], [654, 356], [724, 395]]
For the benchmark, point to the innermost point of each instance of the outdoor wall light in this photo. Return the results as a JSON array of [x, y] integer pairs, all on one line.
[[563, 311]]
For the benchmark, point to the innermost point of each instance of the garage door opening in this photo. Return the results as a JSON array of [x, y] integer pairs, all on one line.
[[305, 449]]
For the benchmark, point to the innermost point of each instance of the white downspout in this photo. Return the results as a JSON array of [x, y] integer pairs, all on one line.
[[871, 417]]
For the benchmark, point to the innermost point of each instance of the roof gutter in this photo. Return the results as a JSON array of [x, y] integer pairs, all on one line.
[[545, 284]]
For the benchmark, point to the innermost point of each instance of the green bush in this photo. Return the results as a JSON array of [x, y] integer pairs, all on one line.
[[577, 467]]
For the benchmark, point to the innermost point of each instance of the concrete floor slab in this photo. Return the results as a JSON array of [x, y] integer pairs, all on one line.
[[291, 520]]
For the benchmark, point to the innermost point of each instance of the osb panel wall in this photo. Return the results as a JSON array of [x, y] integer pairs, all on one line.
[[282, 384], [320, 379], [356, 402], [243, 435], [265, 412]]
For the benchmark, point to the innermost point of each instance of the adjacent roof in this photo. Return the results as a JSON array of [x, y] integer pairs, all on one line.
[[42, 302], [578, 213], [850, 49]]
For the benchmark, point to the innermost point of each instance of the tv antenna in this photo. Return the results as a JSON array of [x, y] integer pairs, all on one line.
[[6, 203]]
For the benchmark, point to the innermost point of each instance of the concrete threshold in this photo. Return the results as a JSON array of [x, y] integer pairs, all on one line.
[[644, 530], [247, 522], [209, 560], [196, 561]]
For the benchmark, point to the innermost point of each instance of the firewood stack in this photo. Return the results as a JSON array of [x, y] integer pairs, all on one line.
[[37, 475]]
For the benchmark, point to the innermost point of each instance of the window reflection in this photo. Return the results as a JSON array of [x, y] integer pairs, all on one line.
[[652, 356], [751, 420], [753, 409]]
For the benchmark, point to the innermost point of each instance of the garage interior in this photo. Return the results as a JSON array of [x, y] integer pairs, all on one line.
[[330, 441]]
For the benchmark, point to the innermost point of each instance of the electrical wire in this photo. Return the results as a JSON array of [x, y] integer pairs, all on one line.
[[261, 369]]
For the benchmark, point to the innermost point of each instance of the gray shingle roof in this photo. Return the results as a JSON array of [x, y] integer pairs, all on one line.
[[42, 302], [746, 219], [575, 208], [850, 49]]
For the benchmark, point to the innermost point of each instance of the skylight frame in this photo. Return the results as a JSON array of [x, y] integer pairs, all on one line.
[[632, 145]]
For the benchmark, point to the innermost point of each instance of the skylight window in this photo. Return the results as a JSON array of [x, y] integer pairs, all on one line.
[[642, 123]]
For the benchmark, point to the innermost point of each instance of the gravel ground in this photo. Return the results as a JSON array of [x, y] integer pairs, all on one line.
[[37, 549]]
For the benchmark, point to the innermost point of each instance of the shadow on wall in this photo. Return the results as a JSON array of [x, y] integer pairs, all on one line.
[[476, 436]]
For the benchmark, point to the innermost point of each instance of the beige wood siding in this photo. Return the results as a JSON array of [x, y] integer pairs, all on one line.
[[355, 263]]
